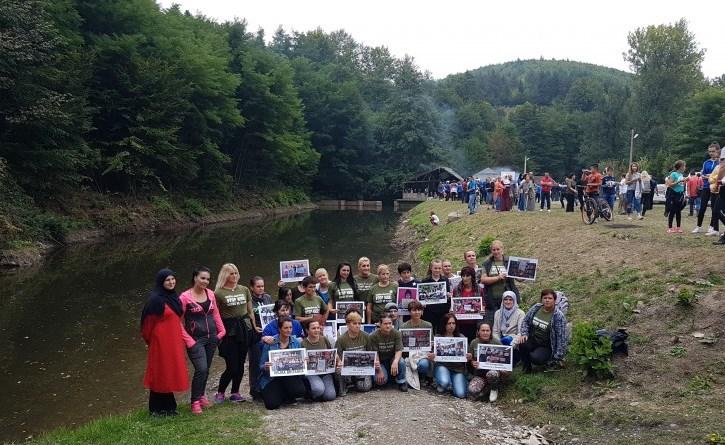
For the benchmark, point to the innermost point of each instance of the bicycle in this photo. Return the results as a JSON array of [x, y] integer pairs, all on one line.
[[595, 208]]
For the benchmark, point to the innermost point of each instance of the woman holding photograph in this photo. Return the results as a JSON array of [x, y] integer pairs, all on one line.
[[434, 312], [450, 376], [279, 390], [323, 288], [203, 329], [496, 280], [310, 306], [259, 298], [321, 387], [354, 339], [389, 345], [508, 320], [235, 305], [543, 334], [343, 287], [483, 379], [415, 308], [468, 287]]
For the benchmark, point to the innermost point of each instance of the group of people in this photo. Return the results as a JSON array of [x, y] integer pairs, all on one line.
[[199, 322]]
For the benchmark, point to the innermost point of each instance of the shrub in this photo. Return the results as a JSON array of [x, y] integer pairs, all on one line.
[[591, 352], [51, 226], [686, 297], [484, 247], [426, 254], [678, 351], [163, 205], [194, 207]]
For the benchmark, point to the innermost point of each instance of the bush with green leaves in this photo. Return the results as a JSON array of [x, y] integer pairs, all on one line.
[[591, 352], [686, 297], [484, 247]]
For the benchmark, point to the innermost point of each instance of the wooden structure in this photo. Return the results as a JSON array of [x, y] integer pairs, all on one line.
[[424, 185]]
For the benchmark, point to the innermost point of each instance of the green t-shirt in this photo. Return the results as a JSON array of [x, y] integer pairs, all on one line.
[[421, 325], [496, 289], [473, 347], [386, 345], [379, 297], [343, 292], [364, 285], [347, 343], [542, 326], [305, 307], [233, 302], [322, 343]]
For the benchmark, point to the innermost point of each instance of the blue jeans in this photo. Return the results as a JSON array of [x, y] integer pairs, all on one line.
[[423, 368], [633, 203], [322, 387], [522, 203], [447, 379], [385, 367], [609, 197], [472, 203]]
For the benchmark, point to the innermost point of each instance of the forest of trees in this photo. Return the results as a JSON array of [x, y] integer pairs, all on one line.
[[127, 98]]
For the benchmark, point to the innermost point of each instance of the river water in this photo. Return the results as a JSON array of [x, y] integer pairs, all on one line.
[[74, 352]]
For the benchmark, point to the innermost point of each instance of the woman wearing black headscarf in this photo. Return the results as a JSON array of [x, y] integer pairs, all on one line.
[[161, 329]]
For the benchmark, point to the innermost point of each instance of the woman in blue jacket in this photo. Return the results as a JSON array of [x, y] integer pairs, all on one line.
[[543, 335], [278, 390]]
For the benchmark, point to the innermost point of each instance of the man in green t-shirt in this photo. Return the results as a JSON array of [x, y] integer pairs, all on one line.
[[310, 306], [389, 344]]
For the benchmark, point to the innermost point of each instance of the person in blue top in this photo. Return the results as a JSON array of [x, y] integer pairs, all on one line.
[[281, 309], [705, 196], [609, 187], [279, 390], [472, 197], [676, 183]]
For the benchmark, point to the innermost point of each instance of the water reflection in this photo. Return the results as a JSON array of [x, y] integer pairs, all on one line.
[[74, 349]]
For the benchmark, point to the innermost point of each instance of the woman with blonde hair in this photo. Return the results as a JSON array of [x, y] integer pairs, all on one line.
[[649, 188], [235, 306], [383, 292]]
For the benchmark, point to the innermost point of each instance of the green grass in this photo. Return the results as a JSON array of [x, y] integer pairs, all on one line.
[[221, 425]]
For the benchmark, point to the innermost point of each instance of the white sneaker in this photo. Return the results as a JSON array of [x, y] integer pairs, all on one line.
[[629, 218], [549, 211], [711, 232], [640, 216], [493, 396], [696, 229], [541, 210]]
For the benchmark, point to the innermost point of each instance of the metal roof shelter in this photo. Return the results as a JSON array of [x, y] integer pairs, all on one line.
[[494, 172], [423, 185]]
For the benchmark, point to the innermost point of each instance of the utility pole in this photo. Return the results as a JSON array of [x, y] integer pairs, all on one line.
[[525, 159], [631, 145]]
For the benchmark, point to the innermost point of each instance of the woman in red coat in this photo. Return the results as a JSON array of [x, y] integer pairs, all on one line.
[[161, 329]]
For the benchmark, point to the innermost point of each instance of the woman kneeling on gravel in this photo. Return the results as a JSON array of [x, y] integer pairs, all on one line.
[[543, 335], [483, 379], [450, 376], [355, 339], [321, 387], [279, 390]]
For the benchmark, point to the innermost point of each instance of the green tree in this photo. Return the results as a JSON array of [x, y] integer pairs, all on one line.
[[702, 122]]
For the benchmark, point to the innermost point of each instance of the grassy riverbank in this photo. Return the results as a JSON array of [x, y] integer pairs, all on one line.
[[225, 424], [670, 389], [28, 228]]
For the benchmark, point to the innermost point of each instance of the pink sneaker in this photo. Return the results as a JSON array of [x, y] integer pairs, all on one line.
[[196, 407], [679, 230], [204, 402], [671, 230]]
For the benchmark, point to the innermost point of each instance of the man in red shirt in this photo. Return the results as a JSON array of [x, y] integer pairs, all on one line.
[[694, 186], [546, 184], [593, 180]]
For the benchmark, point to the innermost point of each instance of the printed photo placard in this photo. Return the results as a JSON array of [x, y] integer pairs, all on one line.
[[496, 357], [432, 293], [405, 296], [450, 349], [358, 363], [294, 270], [467, 308], [266, 314], [417, 339], [286, 362], [522, 268], [321, 361], [343, 306], [330, 331]]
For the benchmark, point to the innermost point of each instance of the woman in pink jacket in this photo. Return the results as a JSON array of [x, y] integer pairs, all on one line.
[[203, 329]]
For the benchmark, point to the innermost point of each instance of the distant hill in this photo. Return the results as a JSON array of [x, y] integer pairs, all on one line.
[[540, 82]]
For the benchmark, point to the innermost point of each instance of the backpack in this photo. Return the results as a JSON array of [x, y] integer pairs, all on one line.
[[618, 339]]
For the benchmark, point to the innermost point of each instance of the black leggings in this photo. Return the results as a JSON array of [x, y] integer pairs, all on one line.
[[283, 389], [675, 209], [705, 197], [162, 403], [234, 353], [255, 354], [535, 353]]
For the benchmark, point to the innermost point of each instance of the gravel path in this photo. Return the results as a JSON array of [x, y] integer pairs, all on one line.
[[373, 418]]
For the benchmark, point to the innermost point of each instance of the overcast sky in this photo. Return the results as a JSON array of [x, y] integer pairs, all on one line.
[[452, 36]]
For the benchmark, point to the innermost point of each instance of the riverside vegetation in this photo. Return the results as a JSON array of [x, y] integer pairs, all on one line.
[[670, 389]]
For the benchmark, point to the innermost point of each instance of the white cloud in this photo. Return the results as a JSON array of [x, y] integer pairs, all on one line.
[[456, 35]]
